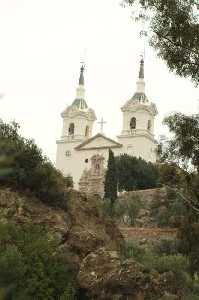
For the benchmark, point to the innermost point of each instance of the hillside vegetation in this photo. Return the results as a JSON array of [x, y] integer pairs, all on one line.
[[23, 167], [58, 244]]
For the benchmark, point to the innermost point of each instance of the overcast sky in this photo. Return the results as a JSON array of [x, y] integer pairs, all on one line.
[[41, 45]]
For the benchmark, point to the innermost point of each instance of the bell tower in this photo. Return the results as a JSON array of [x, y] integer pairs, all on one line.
[[78, 118], [139, 113]]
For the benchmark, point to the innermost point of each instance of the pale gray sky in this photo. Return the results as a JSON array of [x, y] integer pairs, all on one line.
[[41, 45]]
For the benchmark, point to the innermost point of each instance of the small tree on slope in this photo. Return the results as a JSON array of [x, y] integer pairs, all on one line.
[[110, 187]]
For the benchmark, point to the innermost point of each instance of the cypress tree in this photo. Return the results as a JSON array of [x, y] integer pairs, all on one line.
[[110, 187]]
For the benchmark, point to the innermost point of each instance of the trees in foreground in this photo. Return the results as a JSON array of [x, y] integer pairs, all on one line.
[[32, 266], [23, 167], [173, 32], [135, 173], [110, 185], [183, 149], [128, 173]]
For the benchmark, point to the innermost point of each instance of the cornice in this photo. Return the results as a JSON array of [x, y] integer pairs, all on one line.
[[129, 136]]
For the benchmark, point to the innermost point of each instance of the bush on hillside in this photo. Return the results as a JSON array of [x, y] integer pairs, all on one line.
[[32, 266], [23, 166], [135, 173], [123, 210], [68, 180], [168, 211], [167, 247], [174, 268], [170, 174]]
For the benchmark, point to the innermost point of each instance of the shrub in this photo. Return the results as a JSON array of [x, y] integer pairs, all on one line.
[[125, 210], [68, 180], [23, 167], [167, 247], [135, 173], [32, 266], [132, 209], [168, 211], [171, 174], [133, 250]]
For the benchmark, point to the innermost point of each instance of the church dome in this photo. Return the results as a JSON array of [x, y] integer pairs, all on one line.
[[139, 98], [80, 104]]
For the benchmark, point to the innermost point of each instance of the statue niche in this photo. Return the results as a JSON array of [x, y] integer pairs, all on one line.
[[97, 165]]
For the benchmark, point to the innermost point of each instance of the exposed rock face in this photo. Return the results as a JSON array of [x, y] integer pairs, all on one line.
[[82, 228], [107, 277], [93, 242], [89, 230]]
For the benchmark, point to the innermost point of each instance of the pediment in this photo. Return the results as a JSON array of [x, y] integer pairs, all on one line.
[[99, 141]]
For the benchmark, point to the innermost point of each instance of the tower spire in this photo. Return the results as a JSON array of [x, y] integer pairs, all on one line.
[[141, 72], [140, 82], [81, 78], [80, 91]]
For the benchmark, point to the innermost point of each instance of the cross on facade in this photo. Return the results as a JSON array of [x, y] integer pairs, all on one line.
[[102, 122]]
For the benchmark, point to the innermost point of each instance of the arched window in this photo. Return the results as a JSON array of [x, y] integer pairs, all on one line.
[[71, 129], [87, 131], [133, 123], [149, 125]]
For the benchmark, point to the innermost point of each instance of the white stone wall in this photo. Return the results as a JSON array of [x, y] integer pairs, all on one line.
[[142, 117], [76, 163], [80, 123], [139, 146]]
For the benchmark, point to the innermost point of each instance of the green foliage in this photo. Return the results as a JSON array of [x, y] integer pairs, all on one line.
[[189, 242], [168, 211], [125, 210], [170, 174], [132, 210], [135, 173], [184, 147], [167, 247], [132, 250], [68, 180], [31, 265], [175, 267], [23, 167], [108, 208], [174, 33], [110, 186]]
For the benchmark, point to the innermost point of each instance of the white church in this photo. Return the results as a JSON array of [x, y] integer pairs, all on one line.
[[77, 145]]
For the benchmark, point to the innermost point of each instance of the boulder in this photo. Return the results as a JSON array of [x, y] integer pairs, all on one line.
[[107, 277]]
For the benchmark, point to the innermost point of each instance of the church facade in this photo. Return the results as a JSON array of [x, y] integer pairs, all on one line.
[[77, 148]]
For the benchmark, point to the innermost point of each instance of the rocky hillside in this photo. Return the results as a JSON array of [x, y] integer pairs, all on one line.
[[146, 228], [94, 242]]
